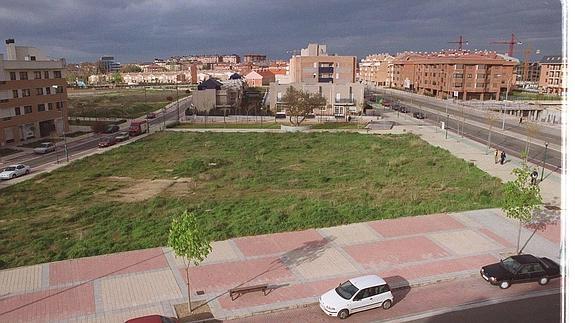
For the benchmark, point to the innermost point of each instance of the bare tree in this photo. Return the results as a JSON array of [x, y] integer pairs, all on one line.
[[300, 104]]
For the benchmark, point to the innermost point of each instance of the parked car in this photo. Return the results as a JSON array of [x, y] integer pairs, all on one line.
[[112, 128], [107, 142], [521, 269], [418, 115], [403, 110], [14, 171], [151, 115], [152, 319], [121, 136], [355, 295], [45, 148]]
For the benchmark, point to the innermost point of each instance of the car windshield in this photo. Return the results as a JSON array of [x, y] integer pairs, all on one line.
[[45, 145], [11, 168], [346, 290], [510, 264]]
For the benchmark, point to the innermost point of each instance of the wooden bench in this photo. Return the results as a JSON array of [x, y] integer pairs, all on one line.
[[248, 289]]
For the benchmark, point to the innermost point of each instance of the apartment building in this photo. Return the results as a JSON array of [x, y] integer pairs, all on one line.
[[553, 75], [33, 99], [214, 96], [231, 59], [107, 64], [315, 71], [464, 75], [375, 70], [532, 72], [253, 58]]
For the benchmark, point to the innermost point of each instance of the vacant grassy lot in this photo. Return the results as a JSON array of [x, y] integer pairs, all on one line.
[[122, 103], [238, 184], [269, 125]]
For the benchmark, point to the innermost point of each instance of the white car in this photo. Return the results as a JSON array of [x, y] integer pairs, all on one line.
[[45, 148], [356, 295], [14, 171]]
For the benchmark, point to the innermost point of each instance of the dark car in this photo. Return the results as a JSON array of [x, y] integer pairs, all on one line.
[[403, 110], [107, 142], [395, 107], [521, 269], [418, 115], [112, 129], [151, 115], [152, 319]]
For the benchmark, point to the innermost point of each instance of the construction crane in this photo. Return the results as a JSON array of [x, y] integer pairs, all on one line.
[[511, 44], [460, 42]]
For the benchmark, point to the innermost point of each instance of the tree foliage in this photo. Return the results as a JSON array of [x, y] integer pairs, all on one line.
[[189, 241], [521, 199], [131, 68], [300, 104]]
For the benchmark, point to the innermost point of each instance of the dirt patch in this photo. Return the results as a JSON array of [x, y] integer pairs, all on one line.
[[141, 190], [200, 311]]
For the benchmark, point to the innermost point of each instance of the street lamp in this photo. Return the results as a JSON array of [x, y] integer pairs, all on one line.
[[544, 159], [446, 126], [56, 87]]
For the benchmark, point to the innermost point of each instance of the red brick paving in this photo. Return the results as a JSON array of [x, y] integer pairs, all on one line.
[[504, 242], [552, 233], [435, 268], [222, 276], [93, 267], [276, 243], [70, 302], [281, 294], [397, 251], [415, 225]]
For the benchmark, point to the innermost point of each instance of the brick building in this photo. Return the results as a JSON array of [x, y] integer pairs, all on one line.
[[553, 75], [375, 70], [33, 99]]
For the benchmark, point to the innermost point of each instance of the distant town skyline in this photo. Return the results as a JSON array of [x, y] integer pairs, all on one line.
[[137, 31]]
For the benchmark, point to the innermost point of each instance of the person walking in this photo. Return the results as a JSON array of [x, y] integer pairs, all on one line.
[[503, 156], [496, 155]]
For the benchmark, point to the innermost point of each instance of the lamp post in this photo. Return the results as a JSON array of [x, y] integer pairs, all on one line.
[[446, 126], [55, 87], [544, 160]]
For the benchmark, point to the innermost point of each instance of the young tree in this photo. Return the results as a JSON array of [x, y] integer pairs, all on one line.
[[521, 199], [299, 104], [189, 241]]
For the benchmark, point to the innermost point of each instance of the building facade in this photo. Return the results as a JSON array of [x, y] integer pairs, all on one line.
[[253, 58], [213, 96], [333, 77], [375, 70], [106, 64], [259, 78], [455, 74], [553, 77], [33, 99]]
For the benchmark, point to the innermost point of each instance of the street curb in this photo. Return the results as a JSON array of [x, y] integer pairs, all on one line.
[[312, 301]]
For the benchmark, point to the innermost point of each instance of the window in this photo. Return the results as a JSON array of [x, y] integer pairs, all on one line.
[[336, 76], [382, 289], [59, 89], [12, 76], [39, 91], [25, 92], [46, 74], [315, 64], [50, 106], [59, 105], [15, 94], [41, 107], [48, 90], [458, 75], [57, 74], [480, 76], [17, 111], [279, 97], [469, 76], [23, 75], [37, 75], [27, 109]]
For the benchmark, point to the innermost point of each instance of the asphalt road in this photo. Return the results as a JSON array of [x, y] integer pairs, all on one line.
[[540, 309], [509, 142]]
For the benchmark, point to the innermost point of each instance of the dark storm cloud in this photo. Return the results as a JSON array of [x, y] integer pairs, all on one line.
[[137, 30]]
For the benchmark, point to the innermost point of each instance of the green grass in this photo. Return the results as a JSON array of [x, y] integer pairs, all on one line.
[[241, 184], [523, 95]]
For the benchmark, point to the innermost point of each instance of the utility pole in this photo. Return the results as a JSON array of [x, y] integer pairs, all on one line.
[[446, 126], [55, 87], [544, 160]]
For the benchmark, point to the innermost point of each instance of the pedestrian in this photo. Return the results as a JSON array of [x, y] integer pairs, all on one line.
[[503, 156], [520, 120], [534, 176], [496, 155]]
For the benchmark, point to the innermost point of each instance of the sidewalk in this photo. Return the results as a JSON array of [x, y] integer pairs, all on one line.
[[300, 266]]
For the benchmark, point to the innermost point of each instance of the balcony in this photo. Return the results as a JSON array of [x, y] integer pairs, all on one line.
[[325, 79], [326, 69], [343, 101]]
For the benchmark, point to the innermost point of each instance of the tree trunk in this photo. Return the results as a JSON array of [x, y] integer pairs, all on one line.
[[189, 289], [526, 242], [518, 237]]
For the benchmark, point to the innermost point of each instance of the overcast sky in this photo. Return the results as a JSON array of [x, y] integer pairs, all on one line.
[[139, 30]]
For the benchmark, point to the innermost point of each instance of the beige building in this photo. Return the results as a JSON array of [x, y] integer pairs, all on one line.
[[553, 75], [331, 76], [33, 99], [375, 70], [215, 96]]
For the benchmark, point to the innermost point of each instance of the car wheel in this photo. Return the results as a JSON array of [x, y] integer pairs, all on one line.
[[543, 281], [504, 284], [27, 171], [386, 305], [343, 314], [13, 176]]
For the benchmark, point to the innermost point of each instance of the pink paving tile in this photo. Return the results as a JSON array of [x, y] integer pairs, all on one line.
[[497, 238], [281, 294], [397, 251], [55, 304], [552, 232], [227, 275], [107, 265], [439, 267], [416, 225], [275, 243]]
